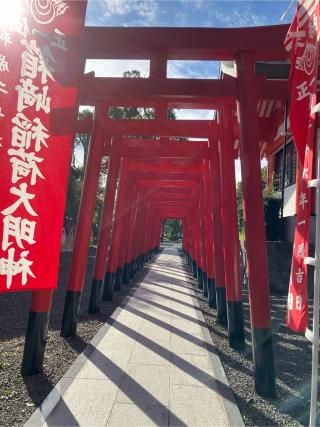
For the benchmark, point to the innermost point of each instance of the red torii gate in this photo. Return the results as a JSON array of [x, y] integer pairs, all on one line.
[[218, 256]]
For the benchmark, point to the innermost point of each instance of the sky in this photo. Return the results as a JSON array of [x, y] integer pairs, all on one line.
[[186, 13], [181, 13]]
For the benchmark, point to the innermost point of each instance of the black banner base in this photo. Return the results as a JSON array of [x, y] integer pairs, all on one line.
[[95, 296], [235, 325], [264, 374], [35, 343], [132, 269], [222, 316], [108, 286], [212, 293], [70, 313]]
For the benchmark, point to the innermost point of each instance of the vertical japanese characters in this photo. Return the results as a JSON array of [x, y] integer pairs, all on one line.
[[303, 43], [31, 92]]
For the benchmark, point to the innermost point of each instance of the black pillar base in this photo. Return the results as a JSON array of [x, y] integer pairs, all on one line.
[[235, 325], [205, 284], [126, 273], [70, 313], [132, 268], [35, 343], [138, 263], [194, 269], [95, 296], [118, 279], [108, 286], [264, 374], [200, 278], [222, 316], [212, 293]]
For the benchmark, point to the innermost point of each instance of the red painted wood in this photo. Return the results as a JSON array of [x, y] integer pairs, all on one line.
[[185, 43], [252, 195], [87, 204], [106, 216], [229, 211], [217, 219]]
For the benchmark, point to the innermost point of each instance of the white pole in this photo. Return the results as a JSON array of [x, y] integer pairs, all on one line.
[[314, 335]]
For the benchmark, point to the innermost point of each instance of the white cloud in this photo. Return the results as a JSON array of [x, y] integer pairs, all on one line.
[[146, 9], [116, 67], [192, 69], [191, 114], [239, 18]]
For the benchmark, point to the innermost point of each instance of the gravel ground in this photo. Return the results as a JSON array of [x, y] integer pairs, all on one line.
[[19, 396], [292, 355]]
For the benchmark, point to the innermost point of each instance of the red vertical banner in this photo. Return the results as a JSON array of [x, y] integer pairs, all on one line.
[[303, 42], [297, 310], [40, 64]]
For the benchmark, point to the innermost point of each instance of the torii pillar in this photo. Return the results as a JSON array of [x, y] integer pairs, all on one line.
[[105, 227], [84, 225], [230, 233], [255, 227]]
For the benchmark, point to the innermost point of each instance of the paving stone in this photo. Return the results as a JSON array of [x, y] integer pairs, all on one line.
[[116, 339], [106, 363], [152, 355], [149, 366], [186, 326], [191, 369], [188, 345], [86, 402], [196, 406], [155, 332], [145, 385], [124, 414]]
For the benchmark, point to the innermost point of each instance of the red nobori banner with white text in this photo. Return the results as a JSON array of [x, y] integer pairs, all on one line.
[[40, 63], [297, 309], [303, 42]]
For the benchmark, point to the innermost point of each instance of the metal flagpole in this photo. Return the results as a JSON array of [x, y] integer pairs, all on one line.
[[313, 335]]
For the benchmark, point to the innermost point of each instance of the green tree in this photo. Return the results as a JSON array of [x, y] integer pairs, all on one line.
[[172, 229], [76, 174], [240, 210], [136, 112], [271, 204]]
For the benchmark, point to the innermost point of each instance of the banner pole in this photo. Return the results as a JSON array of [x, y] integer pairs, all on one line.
[[314, 335]]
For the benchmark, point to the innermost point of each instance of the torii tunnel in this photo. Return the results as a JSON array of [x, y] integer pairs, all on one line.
[[161, 169]]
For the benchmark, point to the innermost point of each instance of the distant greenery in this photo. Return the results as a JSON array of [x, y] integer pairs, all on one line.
[[172, 229], [271, 203]]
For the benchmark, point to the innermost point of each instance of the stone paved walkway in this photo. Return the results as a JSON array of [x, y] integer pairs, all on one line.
[[153, 363]]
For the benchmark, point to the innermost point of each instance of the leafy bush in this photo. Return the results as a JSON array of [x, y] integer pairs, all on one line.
[[271, 202]]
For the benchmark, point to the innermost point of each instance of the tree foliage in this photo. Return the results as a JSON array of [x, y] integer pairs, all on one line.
[[172, 229], [271, 204]]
